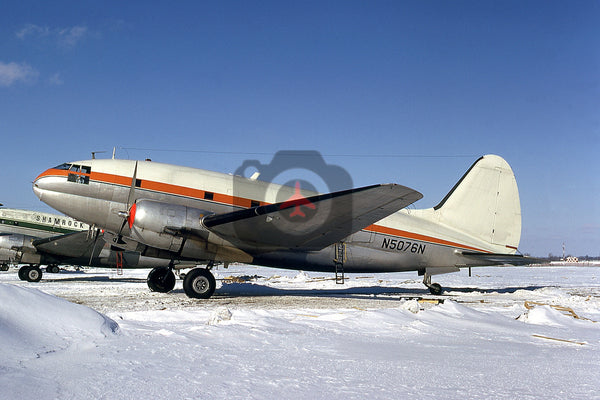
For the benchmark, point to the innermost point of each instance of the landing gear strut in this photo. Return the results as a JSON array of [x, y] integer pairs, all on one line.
[[161, 279], [199, 283], [434, 288]]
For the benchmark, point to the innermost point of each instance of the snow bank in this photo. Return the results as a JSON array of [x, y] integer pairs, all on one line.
[[295, 340], [33, 323], [546, 315]]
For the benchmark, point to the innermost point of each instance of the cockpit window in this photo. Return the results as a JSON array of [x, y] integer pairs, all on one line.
[[64, 166], [79, 174]]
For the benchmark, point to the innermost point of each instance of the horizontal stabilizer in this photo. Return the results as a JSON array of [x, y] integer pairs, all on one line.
[[310, 223], [502, 259]]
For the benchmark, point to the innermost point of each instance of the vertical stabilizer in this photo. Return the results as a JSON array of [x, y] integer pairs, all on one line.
[[485, 204]]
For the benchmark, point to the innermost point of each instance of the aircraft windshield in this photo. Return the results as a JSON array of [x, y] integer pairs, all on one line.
[[64, 166]]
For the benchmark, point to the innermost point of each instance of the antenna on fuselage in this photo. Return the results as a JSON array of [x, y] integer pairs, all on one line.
[[114, 151], [96, 152]]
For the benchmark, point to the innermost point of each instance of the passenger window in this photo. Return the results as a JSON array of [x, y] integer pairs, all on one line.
[[209, 195]]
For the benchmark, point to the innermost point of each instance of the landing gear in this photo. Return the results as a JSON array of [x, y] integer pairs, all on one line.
[[434, 288], [199, 283], [30, 273], [161, 279], [53, 269]]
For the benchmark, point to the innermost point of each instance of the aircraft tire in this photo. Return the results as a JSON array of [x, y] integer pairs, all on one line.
[[4, 267], [161, 280], [435, 289], [199, 283], [53, 269], [23, 272], [33, 274]]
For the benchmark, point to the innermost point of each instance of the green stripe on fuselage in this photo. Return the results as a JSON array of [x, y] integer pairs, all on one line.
[[38, 227]]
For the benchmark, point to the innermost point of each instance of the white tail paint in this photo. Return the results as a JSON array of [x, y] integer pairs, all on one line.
[[484, 204]]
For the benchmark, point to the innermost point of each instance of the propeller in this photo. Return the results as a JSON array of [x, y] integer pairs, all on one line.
[[129, 214]]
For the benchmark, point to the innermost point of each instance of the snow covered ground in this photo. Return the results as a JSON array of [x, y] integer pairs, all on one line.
[[289, 334]]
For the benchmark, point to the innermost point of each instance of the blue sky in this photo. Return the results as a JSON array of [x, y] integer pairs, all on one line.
[[411, 92]]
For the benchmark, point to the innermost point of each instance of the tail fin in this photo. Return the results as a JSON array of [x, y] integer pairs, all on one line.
[[485, 204]]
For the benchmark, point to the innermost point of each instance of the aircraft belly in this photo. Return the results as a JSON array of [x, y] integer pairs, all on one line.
[[359, 259], [375, 256]]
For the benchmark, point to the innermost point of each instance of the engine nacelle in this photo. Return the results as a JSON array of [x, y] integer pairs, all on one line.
[[12, 247], [179, 229], [162, 224]]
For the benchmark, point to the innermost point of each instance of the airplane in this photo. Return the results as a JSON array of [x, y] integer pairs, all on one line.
[[36, 238], [18, 228], [182, 213]]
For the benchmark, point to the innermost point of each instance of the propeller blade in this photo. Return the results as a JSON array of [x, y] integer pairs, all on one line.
[[127, 215], [131, 196]]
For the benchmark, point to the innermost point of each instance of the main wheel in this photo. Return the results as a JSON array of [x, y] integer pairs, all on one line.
[[161, 279], [4, 267], [199, 283], [435, 288], [53, 269], [33, 274], [23, 272]]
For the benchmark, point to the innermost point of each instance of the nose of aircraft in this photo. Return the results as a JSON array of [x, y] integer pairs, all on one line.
[[38, 187], [41, 184]]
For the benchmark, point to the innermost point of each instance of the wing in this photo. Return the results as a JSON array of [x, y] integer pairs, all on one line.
[[502, 259], [78, 244], [310, 223]]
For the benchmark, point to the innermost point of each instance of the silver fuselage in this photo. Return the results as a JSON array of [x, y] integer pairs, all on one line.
[[100, 193]]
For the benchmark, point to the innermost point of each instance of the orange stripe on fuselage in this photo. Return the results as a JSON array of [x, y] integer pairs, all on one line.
[[168, 188], [52, 172], [110, 178], [416, 236]]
